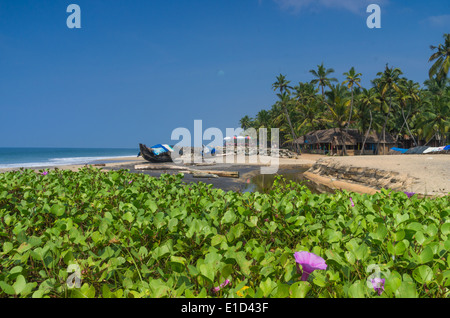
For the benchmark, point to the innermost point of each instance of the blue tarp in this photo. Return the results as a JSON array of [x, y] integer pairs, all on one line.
[[399, 150], [159, 149], [447, 147]]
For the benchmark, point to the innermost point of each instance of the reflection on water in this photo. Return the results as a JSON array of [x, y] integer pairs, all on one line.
[[263, 183]]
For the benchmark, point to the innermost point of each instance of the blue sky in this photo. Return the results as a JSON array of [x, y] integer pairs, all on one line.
[[138, 69]]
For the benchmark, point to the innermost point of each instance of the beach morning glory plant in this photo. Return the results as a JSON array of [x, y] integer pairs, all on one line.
[[378, 284], [309, 262], [409, 194]]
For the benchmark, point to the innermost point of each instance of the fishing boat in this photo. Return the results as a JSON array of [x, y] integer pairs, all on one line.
[[156, 154]]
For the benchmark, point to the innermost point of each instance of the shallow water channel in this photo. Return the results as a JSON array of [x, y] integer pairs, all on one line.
[[264, 183]]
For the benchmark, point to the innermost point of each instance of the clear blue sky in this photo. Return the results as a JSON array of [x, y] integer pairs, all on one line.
[[138, 69]]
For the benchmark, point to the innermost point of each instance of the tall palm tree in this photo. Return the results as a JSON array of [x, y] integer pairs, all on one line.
[[442, 57], [321, 77], [352, 79], [368, 100], [388, 85], [405, 95], [283, 85], [338, 101]]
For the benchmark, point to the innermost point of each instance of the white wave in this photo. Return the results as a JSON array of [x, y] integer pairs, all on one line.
[[61, 162]]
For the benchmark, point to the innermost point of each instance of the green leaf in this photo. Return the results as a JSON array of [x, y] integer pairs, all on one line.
[[58, 210], [151, 205], [299, 289], [128, 217], [357, 290], [267, 286], [8, 289], [445, 228], [7, 246], [426, 255], [20, 284], [217, 239], [23, 248], [423, 274], [282, 291], [207, 270], [406, 290]]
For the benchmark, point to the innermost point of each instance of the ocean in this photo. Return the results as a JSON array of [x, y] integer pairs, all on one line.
[[40, 157]]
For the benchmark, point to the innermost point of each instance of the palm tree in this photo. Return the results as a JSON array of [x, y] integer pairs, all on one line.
[[283, 85], [352, 78], [368, 99], [246, 122], [405, 95], [263, 118], [435, 120], [387, 83], [321, 77], [442, 57], [338, 101]]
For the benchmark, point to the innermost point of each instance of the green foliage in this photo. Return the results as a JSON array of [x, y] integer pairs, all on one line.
[[158, 237]]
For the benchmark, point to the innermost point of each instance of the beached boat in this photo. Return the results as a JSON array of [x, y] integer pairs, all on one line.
[[150, 155]]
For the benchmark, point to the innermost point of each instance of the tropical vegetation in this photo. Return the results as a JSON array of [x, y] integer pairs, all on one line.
[[98, 234], [393, 104]]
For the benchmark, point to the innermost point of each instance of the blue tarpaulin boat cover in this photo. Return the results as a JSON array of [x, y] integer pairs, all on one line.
[[159, 149], [447, 147], [399, 150]]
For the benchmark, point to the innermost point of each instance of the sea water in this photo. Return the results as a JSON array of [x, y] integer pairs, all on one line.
[[41, 157]]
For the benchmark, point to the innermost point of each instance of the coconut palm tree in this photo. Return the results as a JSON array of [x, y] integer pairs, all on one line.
[[367, 102], [283, 85], [246, 122], [442, 57], [435, 120], [387, 85], [321, 77], [352, 79], [338, 101]]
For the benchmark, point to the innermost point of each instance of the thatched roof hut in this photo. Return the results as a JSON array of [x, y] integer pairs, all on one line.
[[336, 137]]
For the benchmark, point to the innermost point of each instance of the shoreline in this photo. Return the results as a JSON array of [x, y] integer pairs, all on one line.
[[426, 175]]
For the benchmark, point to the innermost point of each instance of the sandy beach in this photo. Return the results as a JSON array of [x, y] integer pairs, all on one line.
[[431, 173]]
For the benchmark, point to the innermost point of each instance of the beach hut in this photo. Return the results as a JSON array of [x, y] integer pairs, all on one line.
[[332, 141]]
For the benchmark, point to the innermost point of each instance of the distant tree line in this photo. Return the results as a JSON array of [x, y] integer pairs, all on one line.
[[392, 105]]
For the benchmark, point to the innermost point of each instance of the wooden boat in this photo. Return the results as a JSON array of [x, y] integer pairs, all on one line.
[[148, 154]]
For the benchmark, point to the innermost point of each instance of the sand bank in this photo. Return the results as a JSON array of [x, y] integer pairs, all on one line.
[[426, 175]]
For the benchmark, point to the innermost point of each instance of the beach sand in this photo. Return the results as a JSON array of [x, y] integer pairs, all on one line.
[[431, 172]]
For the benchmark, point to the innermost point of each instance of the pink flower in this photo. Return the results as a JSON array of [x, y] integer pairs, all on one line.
[[309, 262], [218, 288], [44, 173], [378, 284], [351, 201], [409, 194], [130, 181]]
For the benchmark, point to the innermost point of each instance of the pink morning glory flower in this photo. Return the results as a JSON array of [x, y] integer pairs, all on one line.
[[218, 288], [409, 194], [351, 201], [130, 182], [44, 173], [309, 262], [378, 284]]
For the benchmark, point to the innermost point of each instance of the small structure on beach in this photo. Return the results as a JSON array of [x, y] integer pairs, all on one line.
[[332, 141]]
